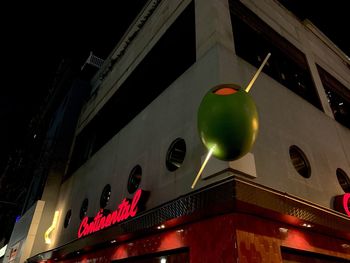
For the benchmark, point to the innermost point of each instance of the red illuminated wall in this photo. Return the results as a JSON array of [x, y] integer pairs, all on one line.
[[261, 240], [213, 240]]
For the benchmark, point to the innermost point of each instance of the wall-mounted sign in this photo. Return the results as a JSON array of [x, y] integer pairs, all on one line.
[[228, 121], [342, 203], [15, 252], [126, 209], [51, 228]]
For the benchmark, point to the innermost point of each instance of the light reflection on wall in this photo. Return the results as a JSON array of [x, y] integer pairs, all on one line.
[[297, 239], [121, 252], [171, 240]]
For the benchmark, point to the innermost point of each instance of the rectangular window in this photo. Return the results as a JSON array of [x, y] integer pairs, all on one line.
[[171, 56], [338, 97], [172, 256], [297, 256], [254, 39]]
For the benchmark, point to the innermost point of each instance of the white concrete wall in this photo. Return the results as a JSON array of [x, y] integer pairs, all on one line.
[[287, 119], [145, 141]]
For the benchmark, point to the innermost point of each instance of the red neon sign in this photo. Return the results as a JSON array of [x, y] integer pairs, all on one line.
[[124, 211], [346, 199], [341, 203]]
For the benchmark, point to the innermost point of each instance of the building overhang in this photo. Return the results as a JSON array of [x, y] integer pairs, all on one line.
[[233, 195]]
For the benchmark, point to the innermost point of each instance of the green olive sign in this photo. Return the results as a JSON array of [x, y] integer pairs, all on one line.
[[228, 121]]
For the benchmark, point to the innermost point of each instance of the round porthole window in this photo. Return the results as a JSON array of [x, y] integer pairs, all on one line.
[[105, 195], [67, 218], [299, 161], [134, 179], [176, 154], [84, 208], [343, 180]]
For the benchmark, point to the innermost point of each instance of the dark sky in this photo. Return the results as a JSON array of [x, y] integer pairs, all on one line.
[[36, 38], [331, 17]]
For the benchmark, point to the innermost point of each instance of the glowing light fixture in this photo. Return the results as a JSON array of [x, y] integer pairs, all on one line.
[[51, 228], [163, 260], [306, 225], [203, 166], [257, 73], [283, 230], [161, 227]]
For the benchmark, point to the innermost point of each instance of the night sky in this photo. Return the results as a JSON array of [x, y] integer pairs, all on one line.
[[35, 38], [331, 17]]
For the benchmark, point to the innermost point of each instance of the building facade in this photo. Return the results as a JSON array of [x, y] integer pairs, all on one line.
[[51, 133], [126, 195]]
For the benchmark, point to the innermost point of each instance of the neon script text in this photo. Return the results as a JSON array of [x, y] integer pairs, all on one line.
[[346, 201], [124, 211]]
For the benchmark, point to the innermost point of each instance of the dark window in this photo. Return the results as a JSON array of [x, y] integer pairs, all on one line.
[[173, 256], [338, 97], [343, 180], [254, 39], [172, 55], [302, 256], [67, 218], [105, 195], [176, 154], [299, 161], [134, 179], [84, 208]]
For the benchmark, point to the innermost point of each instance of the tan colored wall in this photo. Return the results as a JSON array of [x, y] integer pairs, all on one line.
[[24, 234]]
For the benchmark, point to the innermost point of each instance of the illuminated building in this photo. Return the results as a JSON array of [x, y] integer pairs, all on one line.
[[287, 199]]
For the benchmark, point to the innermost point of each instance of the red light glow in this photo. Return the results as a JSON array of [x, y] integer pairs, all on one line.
[[298, 240], [346, 199], [170, 240], [225, 91], [121, 253]]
